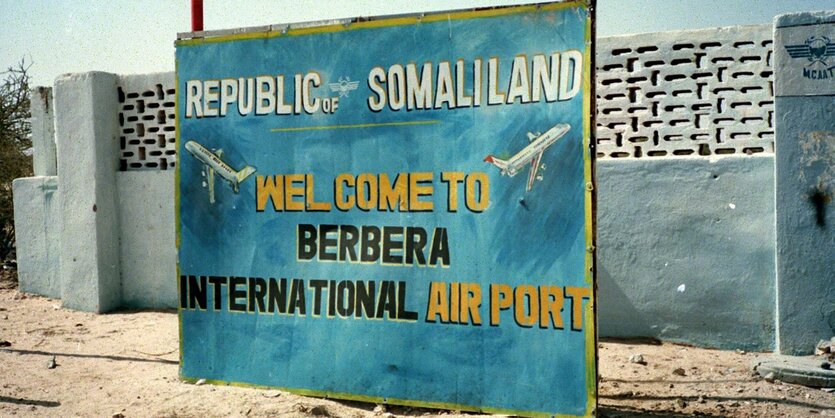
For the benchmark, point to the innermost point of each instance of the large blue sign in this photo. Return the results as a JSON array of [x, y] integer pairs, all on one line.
[[395, 210]]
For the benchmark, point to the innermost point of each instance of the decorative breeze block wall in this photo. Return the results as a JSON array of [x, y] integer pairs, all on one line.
[[146, 122], [686, 93], [691, 93]]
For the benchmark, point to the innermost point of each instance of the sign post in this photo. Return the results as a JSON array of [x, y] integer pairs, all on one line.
[[394, 210]]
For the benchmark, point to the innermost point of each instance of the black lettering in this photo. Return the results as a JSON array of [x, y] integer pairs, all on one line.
[[402, 313], [257, 292], [332, 298], [235, 294], [390, 244], [345, 305], [414, 248], [307, 241], [365, 299], [440, 248], [183, 283], [387, 302], [277, 296], [370, 241], [317, 286], [348, 238], [297, 295], [217, 283], [197, 292], [325, 242]]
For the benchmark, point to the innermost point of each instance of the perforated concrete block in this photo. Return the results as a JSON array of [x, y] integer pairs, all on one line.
[[146, 122], [694, 93]]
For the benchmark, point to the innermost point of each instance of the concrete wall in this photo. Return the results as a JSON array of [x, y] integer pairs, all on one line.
[[37, 235], [805, 182], [147, 231], [684, 173], [685, 250], [685, 144]]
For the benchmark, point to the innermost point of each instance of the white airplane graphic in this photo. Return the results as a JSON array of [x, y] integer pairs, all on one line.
[[532, 153], [213, 163]]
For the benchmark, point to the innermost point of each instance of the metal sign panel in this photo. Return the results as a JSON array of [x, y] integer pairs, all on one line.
[[393, 210]]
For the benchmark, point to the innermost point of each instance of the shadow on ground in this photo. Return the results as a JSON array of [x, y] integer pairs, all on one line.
[[29, 402], [94, 356]]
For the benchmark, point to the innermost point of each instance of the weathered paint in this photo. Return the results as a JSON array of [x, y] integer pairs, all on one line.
[[43, 132], [37, 231], [686, 250], [528, 238], [805, 186], [86, 132]]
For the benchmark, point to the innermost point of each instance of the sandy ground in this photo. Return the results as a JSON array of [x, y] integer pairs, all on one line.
[[125, 365]]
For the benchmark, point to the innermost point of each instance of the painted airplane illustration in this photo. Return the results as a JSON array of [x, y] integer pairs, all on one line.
[[213, 164], [532, 153]]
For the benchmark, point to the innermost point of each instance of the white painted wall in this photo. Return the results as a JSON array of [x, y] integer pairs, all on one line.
[[674, 154], [37, 235], [147, 231], [86, 132]]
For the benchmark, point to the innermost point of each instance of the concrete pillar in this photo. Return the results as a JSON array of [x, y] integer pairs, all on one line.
[[805, 179], [87, 126], [43, 132]]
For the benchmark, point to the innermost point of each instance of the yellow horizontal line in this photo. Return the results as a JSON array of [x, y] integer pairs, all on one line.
[[356, 126]]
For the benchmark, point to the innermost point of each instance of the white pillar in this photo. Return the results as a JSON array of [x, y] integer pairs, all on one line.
[[804, 78], [43, 132], [87, 128]]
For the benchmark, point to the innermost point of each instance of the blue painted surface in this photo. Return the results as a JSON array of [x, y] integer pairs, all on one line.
[[538, 242]]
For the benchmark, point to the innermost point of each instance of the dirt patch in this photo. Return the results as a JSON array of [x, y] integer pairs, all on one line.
[[126, 363]]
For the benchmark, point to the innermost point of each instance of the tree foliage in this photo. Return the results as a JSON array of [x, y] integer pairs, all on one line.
[[15, 146]]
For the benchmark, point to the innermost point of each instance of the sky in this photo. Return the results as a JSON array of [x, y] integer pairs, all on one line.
[[131, 36]]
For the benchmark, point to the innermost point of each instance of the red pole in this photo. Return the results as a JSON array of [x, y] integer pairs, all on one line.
[[196, 15]]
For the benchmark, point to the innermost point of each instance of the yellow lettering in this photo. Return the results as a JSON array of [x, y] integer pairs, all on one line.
[[470, 302], [366, 191], [550, 306], [393, 196], [266, 188], [478, 203], [417, 189], [526, 318], [343, 202], [291, 192], [577, 294], [438, 302], [452, 178], [500, 299], [309, 198]]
